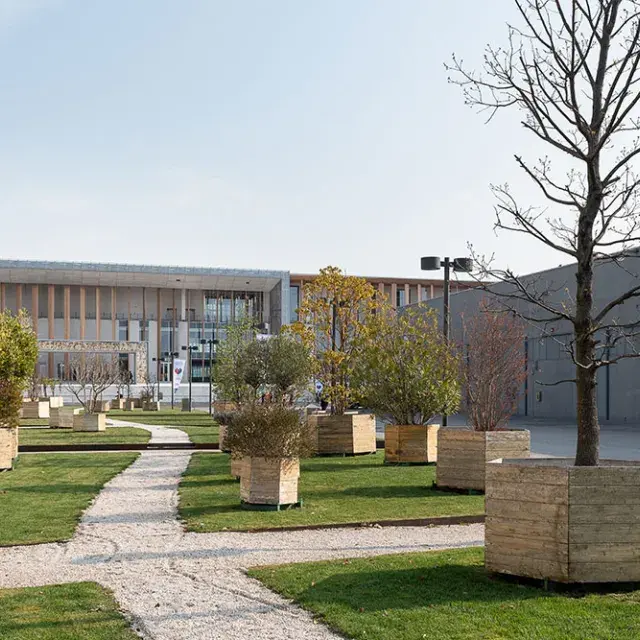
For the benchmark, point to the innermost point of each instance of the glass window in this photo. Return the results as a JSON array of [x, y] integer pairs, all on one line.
[[294, 297], [400, 297], [225, 309], [123, 330]]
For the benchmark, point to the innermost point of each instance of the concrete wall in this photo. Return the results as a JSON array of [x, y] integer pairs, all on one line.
[[618, 385]]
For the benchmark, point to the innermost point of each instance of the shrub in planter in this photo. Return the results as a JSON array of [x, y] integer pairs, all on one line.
[[91, 374], [270, 439], [335, 314], [406, 372], [494, 376], [18, 357]]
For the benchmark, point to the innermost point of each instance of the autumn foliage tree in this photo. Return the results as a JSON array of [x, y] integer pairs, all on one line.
[[495, 368], [334, 315], [571, 70]]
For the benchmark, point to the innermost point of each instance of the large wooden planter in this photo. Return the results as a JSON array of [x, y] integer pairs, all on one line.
[[154, 405], [548, 519], [35, 409], [129, 405], [118, 403], [90, 422], [411, 444], [55, 402], [8, 447], [222, 437], [62, 417], [463, 454], [350, 434], [237, 467], [223, 407], [270, 482]]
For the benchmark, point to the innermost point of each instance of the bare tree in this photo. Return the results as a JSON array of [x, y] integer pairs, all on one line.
[[571, 68], [90, 375], [495, 367]]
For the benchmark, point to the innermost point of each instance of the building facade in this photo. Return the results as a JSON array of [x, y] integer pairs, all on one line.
[[82, 307]]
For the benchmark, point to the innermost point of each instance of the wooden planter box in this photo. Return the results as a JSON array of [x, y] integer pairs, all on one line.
[[36, 409], [151, 406], [129, 405], [62, 417], [463, 454], [237, 467], [270, 482], [414, 444], [118, 403], [222, 436], [8, 447], [55, 402], [350, 433], [223, 407], [90, 422], [548, 519]]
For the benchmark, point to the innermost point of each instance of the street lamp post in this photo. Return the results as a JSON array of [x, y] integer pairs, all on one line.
[[191, 348], [171, 357], [433, 263], [210, 343]]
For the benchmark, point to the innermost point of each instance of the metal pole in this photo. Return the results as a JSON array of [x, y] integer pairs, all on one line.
[[211, 373], [445, 315], [171, 378], [189, 377]]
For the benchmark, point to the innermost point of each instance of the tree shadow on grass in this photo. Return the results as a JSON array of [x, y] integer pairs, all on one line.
[[414, 588]]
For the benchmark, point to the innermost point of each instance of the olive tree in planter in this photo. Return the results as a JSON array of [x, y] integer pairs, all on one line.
[[91, 375], [270, 439], [335, 314], [288, 367], [494, 375], [18, 356], [405, 371], [571, 69]]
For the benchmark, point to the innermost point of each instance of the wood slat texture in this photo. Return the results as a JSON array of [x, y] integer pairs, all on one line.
[[62, 417], [37, 409], [416, 444], [349, 434], [8, 447], [463, 454], [271, 482], [590, 525]]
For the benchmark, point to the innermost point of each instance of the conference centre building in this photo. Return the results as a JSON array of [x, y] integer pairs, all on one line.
[[148, 314]]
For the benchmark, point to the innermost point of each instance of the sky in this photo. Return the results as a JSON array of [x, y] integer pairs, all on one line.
[[269, 134]]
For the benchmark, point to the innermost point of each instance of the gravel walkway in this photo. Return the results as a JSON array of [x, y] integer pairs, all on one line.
[[188, 586], [159, 434]]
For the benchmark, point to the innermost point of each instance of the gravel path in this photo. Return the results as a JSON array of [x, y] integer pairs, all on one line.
[[188, 586], [159, 434]]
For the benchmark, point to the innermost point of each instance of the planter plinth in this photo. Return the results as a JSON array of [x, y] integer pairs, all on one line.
[[463, 454], [411, 444], [62, 417], [90, 422], [35, 409], [348, 434], [270, 482], [548, 519], [8, 447]]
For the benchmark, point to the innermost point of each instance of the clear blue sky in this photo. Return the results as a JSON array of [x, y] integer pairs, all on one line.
[[284, 134]]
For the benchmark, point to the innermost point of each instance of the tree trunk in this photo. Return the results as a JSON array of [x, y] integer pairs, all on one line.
[[588, 447]]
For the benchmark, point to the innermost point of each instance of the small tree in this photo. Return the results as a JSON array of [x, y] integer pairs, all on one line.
[[91, 375], [495, 368], [49, 386], [18, 357], [148, 391], [253, 368], [334, 315], [34, 386], [289, 366], [405, 369], [269, 431], [228, 373]]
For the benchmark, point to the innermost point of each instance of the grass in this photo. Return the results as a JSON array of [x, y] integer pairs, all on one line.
[[43, 498], [199, 425], [334, 490], [34, 422], [113, 435], [78, 611], [446, 595]]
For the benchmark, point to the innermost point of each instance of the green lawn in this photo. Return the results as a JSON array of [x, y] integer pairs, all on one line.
[[334, 490], [113, 435], [43, 498], [199, 425], [78, 611], [34, 422], [446, 595]]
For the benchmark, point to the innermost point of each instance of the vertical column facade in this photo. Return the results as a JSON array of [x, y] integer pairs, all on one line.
[[67, 323], [3, 297], [18, 297], [51, 308], [114, 332], [98, 319], [34, 307], [83, 313]]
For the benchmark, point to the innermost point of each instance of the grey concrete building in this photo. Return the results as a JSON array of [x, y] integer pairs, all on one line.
[[547, 358]]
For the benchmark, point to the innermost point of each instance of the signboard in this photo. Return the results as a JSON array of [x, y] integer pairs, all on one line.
[[178, 370]]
